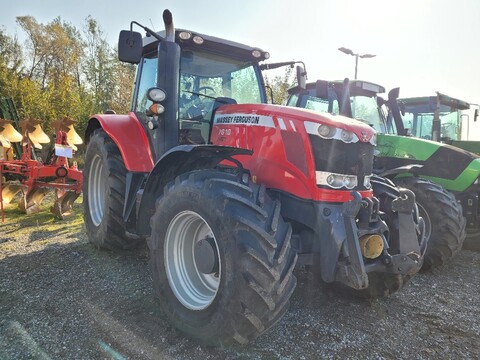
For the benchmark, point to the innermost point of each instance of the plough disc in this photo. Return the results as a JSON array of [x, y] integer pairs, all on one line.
[[30, 203], [9, 191], [63, 204]]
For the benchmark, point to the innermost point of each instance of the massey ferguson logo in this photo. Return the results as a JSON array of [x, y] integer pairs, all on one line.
[[244, 119], [364, 136]]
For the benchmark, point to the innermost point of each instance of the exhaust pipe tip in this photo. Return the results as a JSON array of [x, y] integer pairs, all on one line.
[[167, 17], [169, 28], [371, 245]]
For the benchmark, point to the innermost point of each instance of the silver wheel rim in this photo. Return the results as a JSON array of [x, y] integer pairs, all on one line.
[[428, 224], [194, 289], [96, 190]]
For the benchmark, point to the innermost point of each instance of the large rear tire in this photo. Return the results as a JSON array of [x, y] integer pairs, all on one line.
[[104, 194], [384, 284], [221, 258], [444, 221]]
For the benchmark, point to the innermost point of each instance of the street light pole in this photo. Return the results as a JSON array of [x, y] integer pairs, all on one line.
[[350, 52]]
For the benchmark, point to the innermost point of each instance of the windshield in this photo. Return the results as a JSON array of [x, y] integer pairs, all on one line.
[[204, 78], [364, 108]]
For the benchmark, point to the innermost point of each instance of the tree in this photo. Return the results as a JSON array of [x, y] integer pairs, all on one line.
[[60, 71], [99, 64], [11, 63], [280, 84]]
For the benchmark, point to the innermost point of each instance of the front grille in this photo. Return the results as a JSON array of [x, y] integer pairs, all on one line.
[[341, 158]]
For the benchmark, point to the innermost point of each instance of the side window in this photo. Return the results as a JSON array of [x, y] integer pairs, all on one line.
[[292, 101], [148, 79], [408, 123], [238, 86], [449, 125]]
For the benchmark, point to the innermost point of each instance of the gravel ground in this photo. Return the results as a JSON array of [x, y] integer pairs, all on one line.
[[60, 298]]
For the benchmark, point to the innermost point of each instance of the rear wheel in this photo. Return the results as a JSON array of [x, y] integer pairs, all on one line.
[[221, 259], [104, 194], [444, 221]]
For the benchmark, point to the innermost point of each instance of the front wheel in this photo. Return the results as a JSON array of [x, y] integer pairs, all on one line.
[[221, 259], [444, 221]]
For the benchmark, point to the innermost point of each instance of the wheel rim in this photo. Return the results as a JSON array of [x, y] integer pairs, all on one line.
[[428, 224], [194, 289], [96, 190]]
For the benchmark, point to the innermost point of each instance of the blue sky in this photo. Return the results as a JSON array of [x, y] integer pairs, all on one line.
[[422, 46]]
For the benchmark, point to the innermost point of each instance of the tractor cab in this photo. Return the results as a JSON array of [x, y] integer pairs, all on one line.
[[435, 118], [204, 72], [441, 118], [328, 96]]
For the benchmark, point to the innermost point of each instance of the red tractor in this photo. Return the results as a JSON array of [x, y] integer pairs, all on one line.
[[231, 191]]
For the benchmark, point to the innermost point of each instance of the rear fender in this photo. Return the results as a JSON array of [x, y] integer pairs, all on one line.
[[179, 160], [129, 136]]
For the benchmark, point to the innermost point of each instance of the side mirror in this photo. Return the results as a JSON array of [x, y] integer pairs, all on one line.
[[130, 46], [321, 89], [475, 116], [301, 77]]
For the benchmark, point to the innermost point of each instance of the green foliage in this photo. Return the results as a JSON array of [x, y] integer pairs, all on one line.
[[280, 85], [61, 71]]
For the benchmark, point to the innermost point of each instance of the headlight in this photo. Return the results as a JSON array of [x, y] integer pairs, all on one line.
[[156, 95], [185, 35], [347, 136], [198, 40], [330, 132], [326, 131], [336, 181], [256, 53]]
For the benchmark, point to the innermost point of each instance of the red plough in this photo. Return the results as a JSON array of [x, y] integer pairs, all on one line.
[[33, 177]]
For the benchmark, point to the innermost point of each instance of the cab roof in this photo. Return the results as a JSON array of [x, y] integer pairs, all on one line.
[[357, 87], [428, 104], [210, 44]]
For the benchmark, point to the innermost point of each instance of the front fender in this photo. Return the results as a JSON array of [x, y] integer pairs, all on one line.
[[179, 160], [129, 136]]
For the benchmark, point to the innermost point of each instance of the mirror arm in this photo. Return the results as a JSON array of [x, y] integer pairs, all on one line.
[[149, 32]]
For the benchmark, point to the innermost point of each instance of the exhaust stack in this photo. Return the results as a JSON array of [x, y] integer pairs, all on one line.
[[169, 28]]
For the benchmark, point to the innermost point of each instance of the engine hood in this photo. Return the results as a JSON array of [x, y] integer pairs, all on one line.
[[452, 167], [270, 115]]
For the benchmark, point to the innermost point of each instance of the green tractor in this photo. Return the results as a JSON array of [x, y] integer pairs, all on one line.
[[443, 177]]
